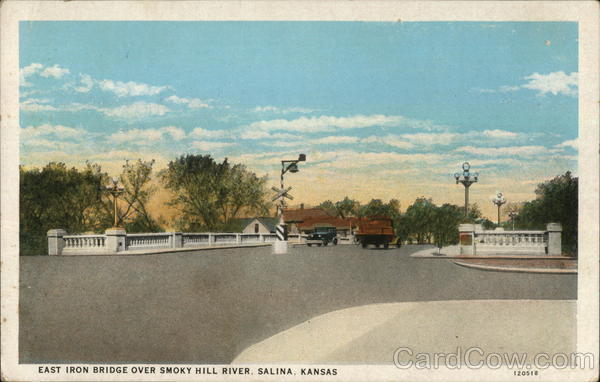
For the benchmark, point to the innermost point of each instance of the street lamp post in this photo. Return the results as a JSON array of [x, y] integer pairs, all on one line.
[[291, 166], [499, 200], [467, 179], [280, 246], [115, 190]]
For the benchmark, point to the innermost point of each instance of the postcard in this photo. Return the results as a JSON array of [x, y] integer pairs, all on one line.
[[284, 191]]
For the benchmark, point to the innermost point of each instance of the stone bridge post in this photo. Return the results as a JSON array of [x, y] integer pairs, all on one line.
[[467, 239], [554, 239], [115, 240], [177, 240], [56, 243]]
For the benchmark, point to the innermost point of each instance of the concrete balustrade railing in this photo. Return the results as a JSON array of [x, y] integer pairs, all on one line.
[[476, 241], [117, 240]]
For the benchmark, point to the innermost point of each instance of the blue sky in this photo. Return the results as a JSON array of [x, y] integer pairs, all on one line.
[[381, 109]]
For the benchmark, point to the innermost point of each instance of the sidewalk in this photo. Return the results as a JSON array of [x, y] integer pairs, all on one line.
[[525, 265], [371, 334], [504, 262]]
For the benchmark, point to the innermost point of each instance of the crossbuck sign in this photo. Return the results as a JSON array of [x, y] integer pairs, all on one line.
[[282, 193]]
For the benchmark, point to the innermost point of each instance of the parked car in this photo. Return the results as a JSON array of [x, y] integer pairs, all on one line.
[[322, 236]]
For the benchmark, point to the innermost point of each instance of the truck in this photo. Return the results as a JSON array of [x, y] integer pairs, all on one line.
[[378, 231], [322, 236]]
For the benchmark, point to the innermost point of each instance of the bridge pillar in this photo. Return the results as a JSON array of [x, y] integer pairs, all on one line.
[[467, 239], [554, 239], [56, 243], [177, 240], [115, 240]]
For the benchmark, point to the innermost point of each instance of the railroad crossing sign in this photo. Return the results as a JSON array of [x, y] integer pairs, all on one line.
[[282, 193]]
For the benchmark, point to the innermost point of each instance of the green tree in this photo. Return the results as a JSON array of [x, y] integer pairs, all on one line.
[[133, 213], [419, 218], [209, 194], [343, 208], [58, 197], [446, 219], [376, 207], [556, 202]]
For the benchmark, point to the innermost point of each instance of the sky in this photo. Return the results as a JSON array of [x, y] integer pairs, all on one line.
[[381, 109]]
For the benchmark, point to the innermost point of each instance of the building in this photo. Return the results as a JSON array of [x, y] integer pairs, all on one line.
[[294, 217], [260, 225], [307, 220]]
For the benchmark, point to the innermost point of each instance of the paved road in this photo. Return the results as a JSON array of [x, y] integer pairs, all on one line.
[[208, 307]]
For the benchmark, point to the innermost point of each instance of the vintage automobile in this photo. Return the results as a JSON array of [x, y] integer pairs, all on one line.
[[322, 236], [378, 231]]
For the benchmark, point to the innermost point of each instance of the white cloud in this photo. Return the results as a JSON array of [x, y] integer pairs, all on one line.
[[329, 123], [260, 134], [36, 104], [199, 132], [209, 146], [147, 136], [28, 71], [56, 130], [390, 140], [522, 151], [136, 111], [130, 89], [192, 103], [506, 89], [175, 132], [275, 109], [353, 159], [554, 83], [54, 72], [334, 140], [429, 139], [51, 144], [499, 134], [87, 83], [573, 143], [286, 143]]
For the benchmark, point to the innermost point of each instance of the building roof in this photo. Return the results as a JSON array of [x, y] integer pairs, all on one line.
[[301, 214], [328, 221], [269, 222], [239, 224]]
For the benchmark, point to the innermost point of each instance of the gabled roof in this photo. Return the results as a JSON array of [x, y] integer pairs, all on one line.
[[239, 224], [302, 214], [269, 222]]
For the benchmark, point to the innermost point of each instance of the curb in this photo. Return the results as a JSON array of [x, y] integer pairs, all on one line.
[[513, 269]]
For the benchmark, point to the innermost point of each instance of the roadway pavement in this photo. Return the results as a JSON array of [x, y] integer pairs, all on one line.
[[207, 307]]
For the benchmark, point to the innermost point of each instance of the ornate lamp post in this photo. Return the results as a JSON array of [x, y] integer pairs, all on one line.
[[512, 215], [115, 190], [499, 200], [467, 179]]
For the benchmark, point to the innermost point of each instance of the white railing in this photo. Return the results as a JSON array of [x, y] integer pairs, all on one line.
[[84, 243], [118, 241], [474, 240], [149, 240], [510, 241], [195, 239]]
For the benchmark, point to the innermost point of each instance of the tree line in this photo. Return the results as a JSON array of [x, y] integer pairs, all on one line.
[[207, 194], [424, 222]]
